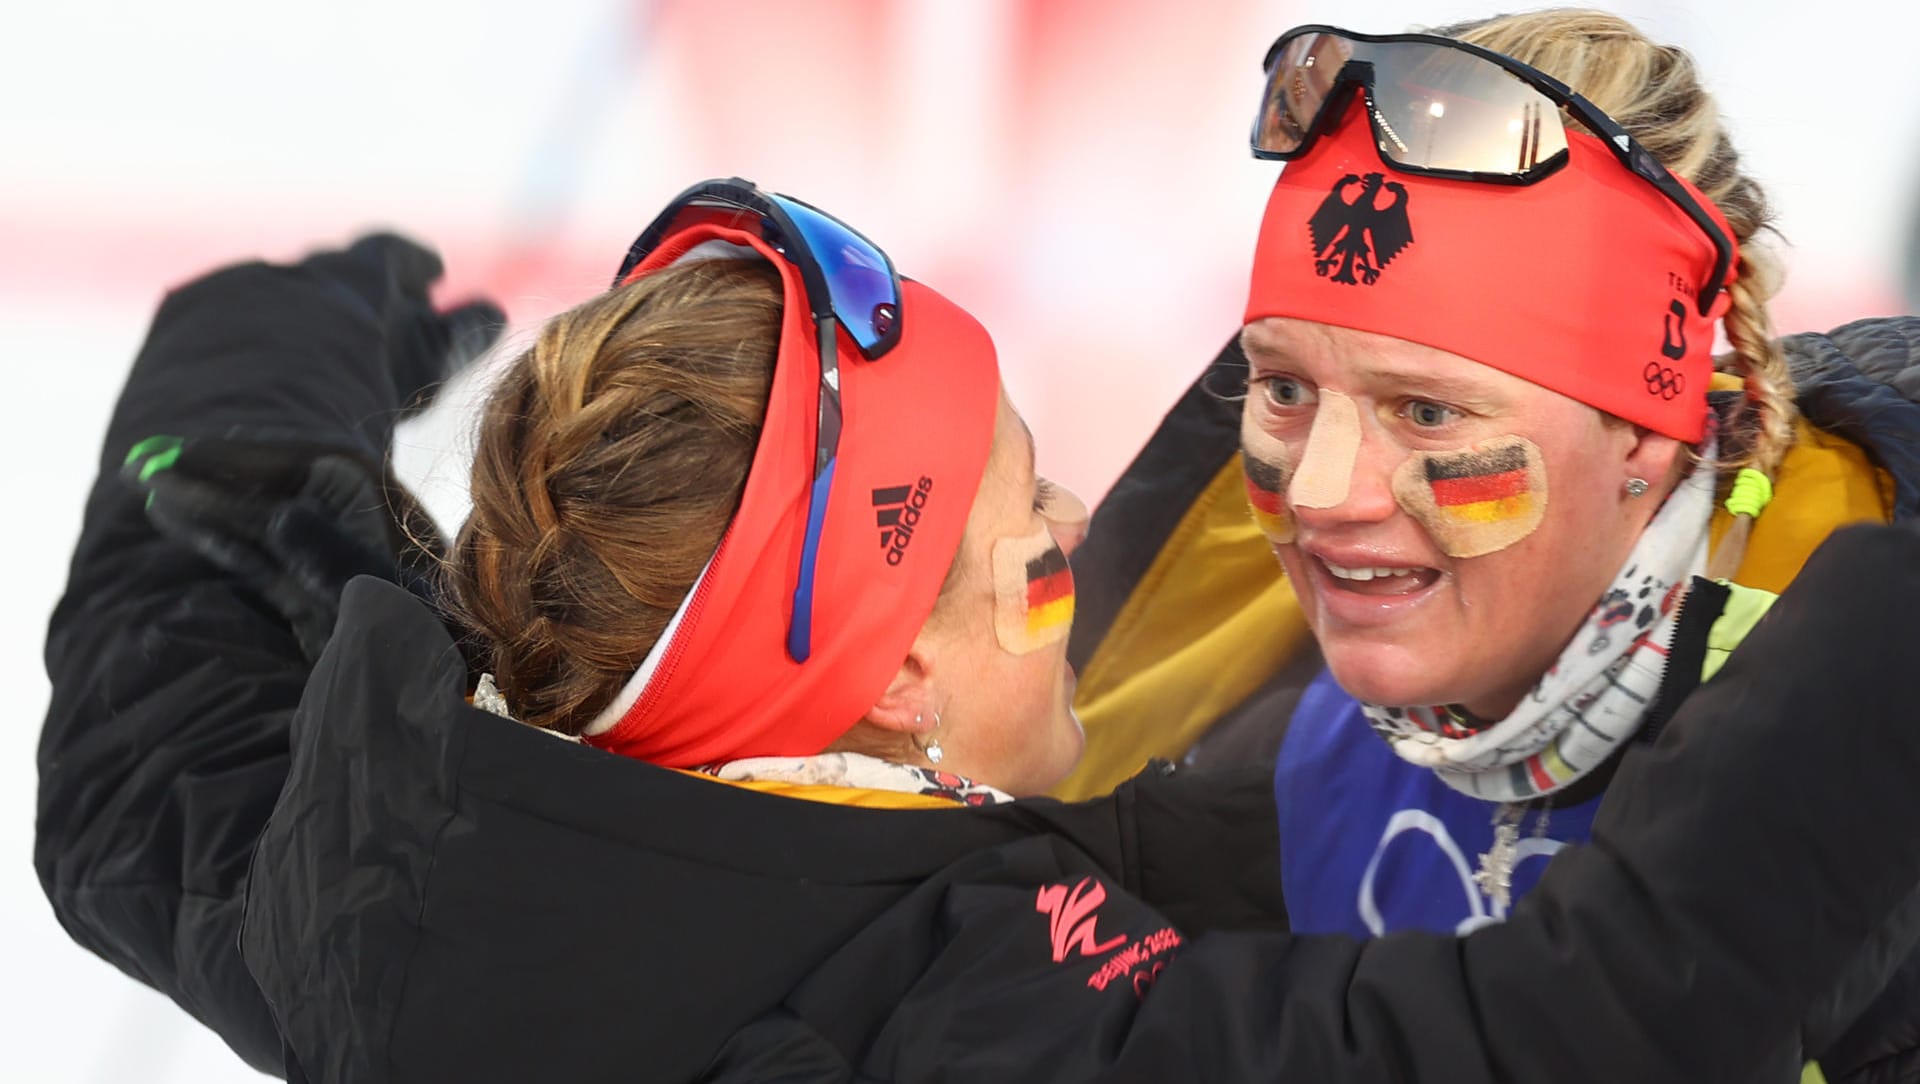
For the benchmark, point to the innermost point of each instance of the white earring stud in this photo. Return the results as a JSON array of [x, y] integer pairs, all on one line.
[[1636, 487]]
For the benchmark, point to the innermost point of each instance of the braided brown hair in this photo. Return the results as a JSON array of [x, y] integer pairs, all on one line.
[[1654, 92], [610, 458]]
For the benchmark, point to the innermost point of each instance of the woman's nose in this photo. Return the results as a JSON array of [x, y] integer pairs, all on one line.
[[1068, 536], [1342, 474], [1368, 498], [1066, 517]]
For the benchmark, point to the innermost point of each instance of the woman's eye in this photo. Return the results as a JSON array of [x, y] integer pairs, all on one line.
[[1429, 415], [1287, 392], [1043, 492]]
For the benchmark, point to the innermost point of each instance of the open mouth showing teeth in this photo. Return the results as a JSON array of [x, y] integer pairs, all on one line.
[[1381, 581]]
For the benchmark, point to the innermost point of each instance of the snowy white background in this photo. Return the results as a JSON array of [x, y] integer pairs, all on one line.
[[1072, 170]]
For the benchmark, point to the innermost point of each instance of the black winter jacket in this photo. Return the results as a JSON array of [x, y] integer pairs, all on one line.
[[1862, 381], [353, 875]]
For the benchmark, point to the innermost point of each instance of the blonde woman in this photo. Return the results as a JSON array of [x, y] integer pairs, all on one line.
[[1520, 507]]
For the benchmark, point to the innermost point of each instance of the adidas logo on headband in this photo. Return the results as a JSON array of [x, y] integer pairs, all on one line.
[[897, 510]]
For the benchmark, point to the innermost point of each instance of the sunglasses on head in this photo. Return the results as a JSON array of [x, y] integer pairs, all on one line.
[[850, 284], [1444, 108]]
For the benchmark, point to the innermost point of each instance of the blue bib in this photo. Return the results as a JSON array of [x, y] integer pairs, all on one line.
[[1370, 844]]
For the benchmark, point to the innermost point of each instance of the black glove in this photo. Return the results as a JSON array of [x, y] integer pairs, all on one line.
[[424, 346], [275, 389], [335, 348], [294, 522]]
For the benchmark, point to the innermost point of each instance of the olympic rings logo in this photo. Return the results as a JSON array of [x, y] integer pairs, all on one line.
[[1662, 381], [1481, 910]]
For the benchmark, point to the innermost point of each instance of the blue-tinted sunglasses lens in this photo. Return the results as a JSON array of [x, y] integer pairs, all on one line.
[[863, 290]]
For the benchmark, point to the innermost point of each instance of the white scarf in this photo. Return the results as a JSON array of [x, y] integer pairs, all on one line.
[[1596, 694]]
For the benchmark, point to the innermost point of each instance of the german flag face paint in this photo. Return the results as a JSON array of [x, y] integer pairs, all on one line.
[[1033, 592], [1478, 500], [1269, 470]]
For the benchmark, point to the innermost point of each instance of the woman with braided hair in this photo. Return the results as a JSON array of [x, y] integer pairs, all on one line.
[[611, 461], [1521, 510]]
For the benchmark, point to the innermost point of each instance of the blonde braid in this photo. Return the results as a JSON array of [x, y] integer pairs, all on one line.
[[1654, 92]]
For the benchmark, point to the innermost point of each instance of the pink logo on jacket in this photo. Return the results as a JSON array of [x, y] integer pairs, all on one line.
[[1071, 917]]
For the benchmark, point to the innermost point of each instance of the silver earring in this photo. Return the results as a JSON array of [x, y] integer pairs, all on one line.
[[931, 748], [1636, 487]]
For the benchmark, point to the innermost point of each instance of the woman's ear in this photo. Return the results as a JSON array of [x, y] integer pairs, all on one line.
[[906, 707], [1657, 458]]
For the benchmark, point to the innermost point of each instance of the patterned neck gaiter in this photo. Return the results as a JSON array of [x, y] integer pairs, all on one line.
[[1597, 693], [859, 770]]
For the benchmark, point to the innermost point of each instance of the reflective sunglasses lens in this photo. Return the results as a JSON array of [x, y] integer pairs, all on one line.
[[1434, 108], [861, 284], [1443, 109], [1302, 74]]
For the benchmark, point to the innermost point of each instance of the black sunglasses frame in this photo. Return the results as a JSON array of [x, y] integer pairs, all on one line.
[[1359, 75]]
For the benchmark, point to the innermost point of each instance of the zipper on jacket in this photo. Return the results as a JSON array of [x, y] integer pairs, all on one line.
[[1674, 691], [1674, 688]]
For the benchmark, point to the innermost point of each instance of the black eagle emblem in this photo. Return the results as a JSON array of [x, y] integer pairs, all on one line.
[[1358, 234]]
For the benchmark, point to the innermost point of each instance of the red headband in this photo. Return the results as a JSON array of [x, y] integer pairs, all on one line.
[[918, 425], [1583, 283]]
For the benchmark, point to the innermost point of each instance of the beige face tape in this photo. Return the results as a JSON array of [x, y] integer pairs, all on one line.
[[1326, 466], [1032, 585], [1476, 500], [1268, 467]]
